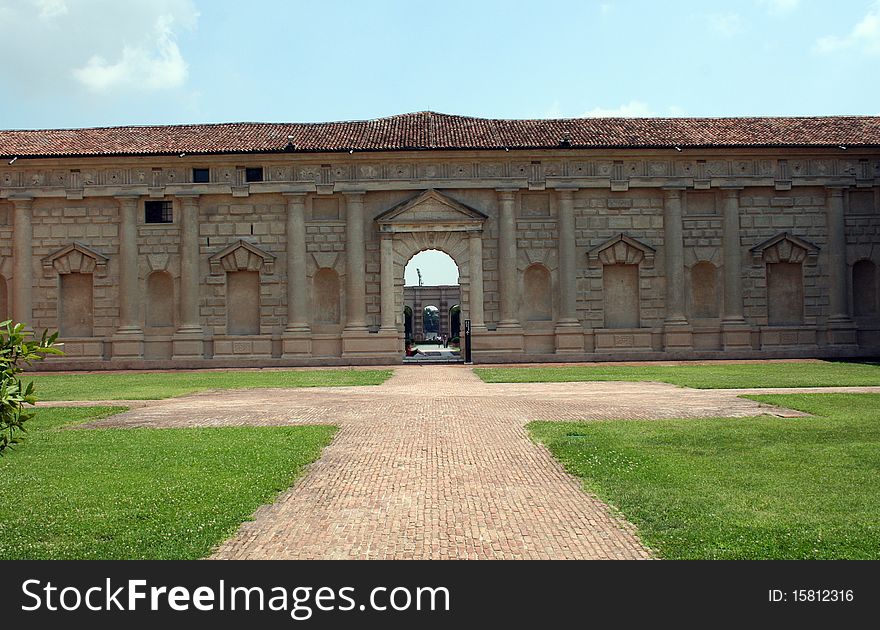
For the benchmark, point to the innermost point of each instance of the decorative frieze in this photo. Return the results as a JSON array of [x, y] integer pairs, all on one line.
[[536, 174]]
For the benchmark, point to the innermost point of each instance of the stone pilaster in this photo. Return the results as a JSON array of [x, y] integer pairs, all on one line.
[[296, 340], [128, 340], [508, 335], [677, 332], [356, 340], [188, 341], [569, 333], [355, 272], [507, 260], [735, 332], [22, 261], [841, 329], [389, 312], [475, 291]]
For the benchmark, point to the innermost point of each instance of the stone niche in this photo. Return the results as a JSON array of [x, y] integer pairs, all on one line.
[[537, 296], [75, 267], [326, 300], [620, 292], [243, 265], [864, 289], [160, 300], [243, 296], [783, 258], [620, 258], [705, 297], [785, 294], [75, 305]]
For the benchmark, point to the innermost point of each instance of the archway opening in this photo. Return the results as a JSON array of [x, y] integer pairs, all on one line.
[[431, 322], [432, 299], [455, 326]]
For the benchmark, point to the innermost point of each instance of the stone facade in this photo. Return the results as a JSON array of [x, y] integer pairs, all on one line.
[[564, 254]]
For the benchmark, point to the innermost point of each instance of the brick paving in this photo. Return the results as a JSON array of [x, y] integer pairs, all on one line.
[[437, 464]]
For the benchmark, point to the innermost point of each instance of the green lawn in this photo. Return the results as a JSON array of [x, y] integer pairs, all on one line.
[[711, 376], [155, 385], [762, 487], [141, 493]]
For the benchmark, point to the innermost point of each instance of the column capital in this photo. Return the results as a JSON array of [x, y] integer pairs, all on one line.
[[21, 201], [128, 200], [354, 195], [731, 191], [566, 193], [836, 190], [506, 194], [295, 197], [673, 192], [188, 200]]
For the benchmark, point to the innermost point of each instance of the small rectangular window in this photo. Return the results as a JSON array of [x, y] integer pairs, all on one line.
[[201, 175], [158, 212], [253, 174]]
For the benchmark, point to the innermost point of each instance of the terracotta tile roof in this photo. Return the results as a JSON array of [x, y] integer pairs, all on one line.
[[431, 130]]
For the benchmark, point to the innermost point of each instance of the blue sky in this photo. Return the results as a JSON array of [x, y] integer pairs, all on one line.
[[71, 63], [106, 62]]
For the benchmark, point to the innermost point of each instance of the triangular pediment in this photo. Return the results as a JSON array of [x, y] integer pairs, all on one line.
[[76, 258], [427, 211], [241, 256], [784, 247], [622, 250]]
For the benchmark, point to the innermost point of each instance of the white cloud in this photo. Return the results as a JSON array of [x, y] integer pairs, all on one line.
[[633, 109], [727, 24], [779, 7], [864, 36], [606, 8], [554, 111], [51, 8], [160, 68], [91, 47]]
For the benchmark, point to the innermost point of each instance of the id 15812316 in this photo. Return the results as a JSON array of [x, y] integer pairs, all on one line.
[[802, 595]]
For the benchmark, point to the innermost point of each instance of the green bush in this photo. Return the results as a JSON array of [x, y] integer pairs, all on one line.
[[17, 350]]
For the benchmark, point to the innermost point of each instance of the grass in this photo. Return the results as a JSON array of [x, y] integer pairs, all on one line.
[[140, 493], [156, 385], [741, 488], [701, 376]]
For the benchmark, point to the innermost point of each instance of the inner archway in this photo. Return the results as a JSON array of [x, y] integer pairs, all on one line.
[[431, 290], [431, 322]]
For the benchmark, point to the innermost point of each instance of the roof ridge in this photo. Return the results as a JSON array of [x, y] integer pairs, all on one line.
[[432, 113], [429, 130]]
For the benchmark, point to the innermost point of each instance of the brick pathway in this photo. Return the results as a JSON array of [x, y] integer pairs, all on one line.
[[445, 471]]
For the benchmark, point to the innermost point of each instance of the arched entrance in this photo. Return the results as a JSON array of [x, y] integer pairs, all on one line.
[[455, 324], [433, 221], [430, 290], [408, 324]]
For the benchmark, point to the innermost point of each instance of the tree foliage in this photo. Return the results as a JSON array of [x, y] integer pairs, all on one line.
[[17, 349]]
